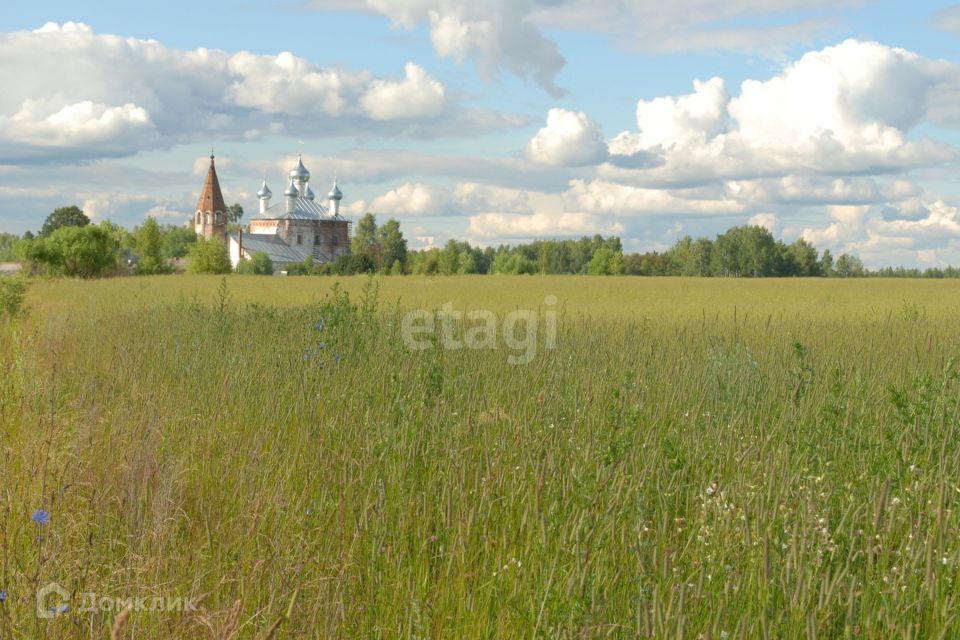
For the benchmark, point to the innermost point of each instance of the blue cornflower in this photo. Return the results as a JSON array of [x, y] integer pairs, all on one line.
[[322, 345], [3, 596], [40, 516], [319, 326], [338, 357], [63, 608]]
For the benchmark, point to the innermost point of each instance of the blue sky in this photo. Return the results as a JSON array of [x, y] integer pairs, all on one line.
[[503, 121]]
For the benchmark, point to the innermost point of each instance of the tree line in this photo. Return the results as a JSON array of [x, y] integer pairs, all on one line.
[[69, 244], [742, 252]]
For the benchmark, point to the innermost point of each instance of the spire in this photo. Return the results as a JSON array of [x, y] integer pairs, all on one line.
[[211, 198]]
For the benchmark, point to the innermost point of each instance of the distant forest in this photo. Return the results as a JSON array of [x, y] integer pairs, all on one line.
[[740, 252]]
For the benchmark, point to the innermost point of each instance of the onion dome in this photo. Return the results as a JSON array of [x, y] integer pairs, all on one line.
[[264, 193], [309, 195], [300, 172], [335, 193], [291, 191]]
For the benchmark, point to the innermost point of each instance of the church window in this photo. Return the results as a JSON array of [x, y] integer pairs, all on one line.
[[299, 238], [316, 238]]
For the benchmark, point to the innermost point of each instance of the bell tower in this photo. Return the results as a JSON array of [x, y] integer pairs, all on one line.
[[210, 220]]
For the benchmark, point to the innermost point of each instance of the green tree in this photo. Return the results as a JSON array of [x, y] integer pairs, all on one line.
[[449, 260], [466, 264], [149, 246], [8, 247], [426, 262], [125, 239], [234, 213], [209, 256], [71, 216], [849, 267], [801, 259], [259, 264], [365, 236], [606, 262], [177, 240], [700, 256], [826, 263], [745, 252], [392, 244], [84, 252]]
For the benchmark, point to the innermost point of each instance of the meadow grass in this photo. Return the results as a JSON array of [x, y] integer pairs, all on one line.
[[695, 458]]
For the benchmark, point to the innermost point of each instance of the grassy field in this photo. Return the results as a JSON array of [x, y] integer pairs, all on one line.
[[691, 458]]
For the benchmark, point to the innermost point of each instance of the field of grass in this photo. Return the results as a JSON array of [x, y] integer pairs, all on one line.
[[692, 458]]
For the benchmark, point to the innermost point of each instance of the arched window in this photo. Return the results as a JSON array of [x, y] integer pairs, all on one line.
[[216, 218], [206, 218], [198, 217], [299, 238]]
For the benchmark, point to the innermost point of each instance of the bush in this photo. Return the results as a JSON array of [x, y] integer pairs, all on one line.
[[12, 293], [352, 264], [258, 265], [209, 256], [83, 252]]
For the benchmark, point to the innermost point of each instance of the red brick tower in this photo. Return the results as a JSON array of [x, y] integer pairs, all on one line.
[[210, 220]]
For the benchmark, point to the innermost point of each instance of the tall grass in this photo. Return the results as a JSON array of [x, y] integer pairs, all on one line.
[[692, 471]]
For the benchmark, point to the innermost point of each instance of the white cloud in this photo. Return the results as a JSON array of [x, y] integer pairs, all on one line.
[[75, 125], [766, 220], [118, 96], [846, 109], [417, 199], [599, 196], [856, 99], [570, 139], [66, 27], [928, 234], [474, 197], [509, 34], [494, 34], [692, 119], [416, 96], [505, 226], [286, 84], [412, 200], [940, 224], [810, 190]]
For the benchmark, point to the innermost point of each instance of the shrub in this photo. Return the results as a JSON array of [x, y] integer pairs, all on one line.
[[83, 252], [258, 265], [12, 293], [209, 256]]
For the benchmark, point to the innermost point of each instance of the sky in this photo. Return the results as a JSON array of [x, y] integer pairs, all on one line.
[[500, 121]]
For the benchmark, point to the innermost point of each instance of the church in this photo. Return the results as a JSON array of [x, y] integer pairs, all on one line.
[[289, 230]]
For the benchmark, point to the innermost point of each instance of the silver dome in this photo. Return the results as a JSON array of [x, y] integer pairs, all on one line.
[[300, 172], [335, 193], [264, 193], [291, 191], [309, 195]]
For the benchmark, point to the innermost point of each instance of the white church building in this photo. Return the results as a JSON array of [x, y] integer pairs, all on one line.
[[289, 229]]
